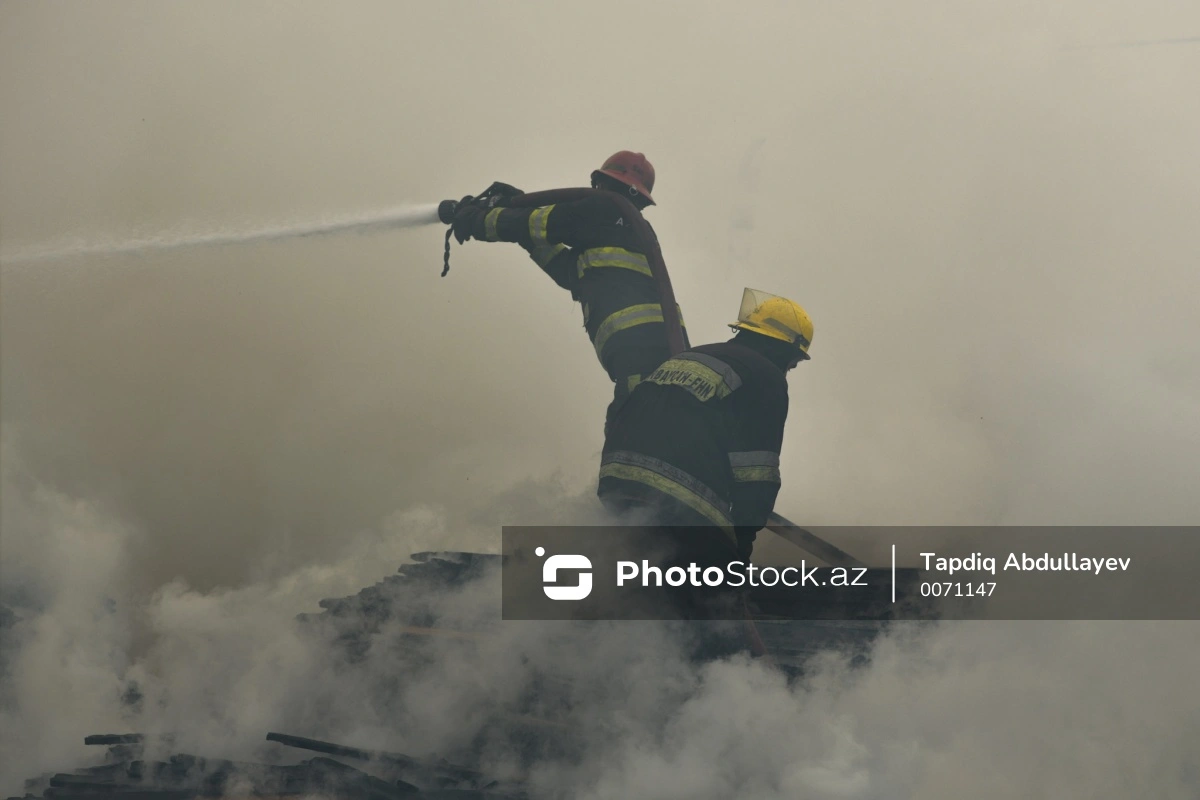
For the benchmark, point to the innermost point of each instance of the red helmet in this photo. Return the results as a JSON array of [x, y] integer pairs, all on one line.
[[631, 169]]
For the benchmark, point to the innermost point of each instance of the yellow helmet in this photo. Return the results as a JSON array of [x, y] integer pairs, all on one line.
[[776, 317]]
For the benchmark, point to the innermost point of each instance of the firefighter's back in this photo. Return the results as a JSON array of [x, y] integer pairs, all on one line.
[[670, 442]]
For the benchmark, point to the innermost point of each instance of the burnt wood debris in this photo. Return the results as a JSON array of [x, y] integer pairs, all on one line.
[[402, 607]]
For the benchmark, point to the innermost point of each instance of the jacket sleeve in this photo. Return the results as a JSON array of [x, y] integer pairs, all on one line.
[[754, 458], [559, 223]]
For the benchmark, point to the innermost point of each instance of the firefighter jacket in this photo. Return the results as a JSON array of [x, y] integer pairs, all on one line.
[[589, 248], [702, 433]]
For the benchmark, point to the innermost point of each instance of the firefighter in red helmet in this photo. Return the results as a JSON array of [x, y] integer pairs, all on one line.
[[588, 248], [634, 174]]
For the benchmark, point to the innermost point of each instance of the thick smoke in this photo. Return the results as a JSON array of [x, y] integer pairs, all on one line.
[[992, 227], [1081, 710]]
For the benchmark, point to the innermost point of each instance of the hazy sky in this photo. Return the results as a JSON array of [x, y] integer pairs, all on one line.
[[992, 228], [991, 218]]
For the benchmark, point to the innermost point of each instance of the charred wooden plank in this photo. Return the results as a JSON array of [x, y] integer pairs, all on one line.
[[404, 762], [114, 738]]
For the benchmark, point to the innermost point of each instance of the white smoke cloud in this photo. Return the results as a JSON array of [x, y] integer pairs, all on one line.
[[994, 709]]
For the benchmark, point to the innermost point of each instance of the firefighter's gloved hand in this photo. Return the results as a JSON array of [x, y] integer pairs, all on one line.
[[745, 542], [466, 221], [501, 191]]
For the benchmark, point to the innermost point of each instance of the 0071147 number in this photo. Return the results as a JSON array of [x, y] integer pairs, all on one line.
[[957, 589]]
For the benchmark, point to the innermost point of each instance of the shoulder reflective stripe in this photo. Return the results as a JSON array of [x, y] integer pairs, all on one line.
[[669, 480], [537, 224], [631, 382], [595, 257], [545, 254], [754, 458], [696, 377], [623, 320], [727, 373], [489, 225], [766, 474]]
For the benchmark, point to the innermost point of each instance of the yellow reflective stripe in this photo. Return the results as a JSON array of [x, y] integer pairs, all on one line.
[[537, 224], [661, 483], [623, 320], [744, 474], [702, 380], [489, 225], [545, 254], [612, 257], [632, 381]]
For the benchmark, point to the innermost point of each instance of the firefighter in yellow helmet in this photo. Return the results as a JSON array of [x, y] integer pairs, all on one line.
[[697, 443]]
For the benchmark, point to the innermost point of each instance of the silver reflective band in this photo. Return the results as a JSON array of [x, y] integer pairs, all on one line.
[[754, 458], [727, 373], [674, 473]]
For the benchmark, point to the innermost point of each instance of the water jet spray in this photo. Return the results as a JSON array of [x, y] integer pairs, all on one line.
[[388, 219]]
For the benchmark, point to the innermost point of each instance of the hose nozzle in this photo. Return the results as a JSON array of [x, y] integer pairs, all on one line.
[[446, 211]]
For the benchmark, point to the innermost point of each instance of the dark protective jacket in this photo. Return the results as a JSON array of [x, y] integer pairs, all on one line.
[[701, 435], [589, 248]]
